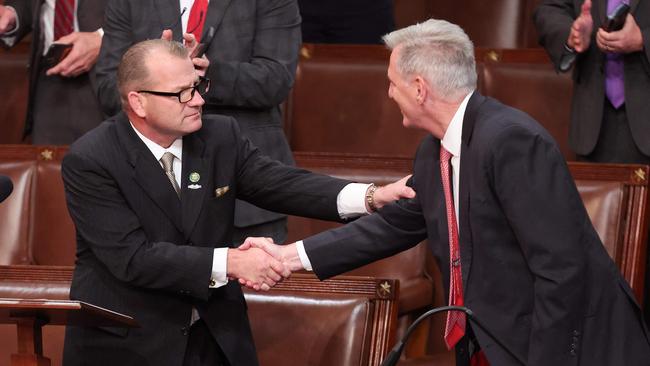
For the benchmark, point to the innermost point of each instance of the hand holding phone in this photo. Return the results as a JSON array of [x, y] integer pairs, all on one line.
[[203, 47], [56, 53], [616, 19]]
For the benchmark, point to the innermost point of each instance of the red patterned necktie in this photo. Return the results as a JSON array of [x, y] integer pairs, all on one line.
[[63, 18], [197, 18], [455, 325]]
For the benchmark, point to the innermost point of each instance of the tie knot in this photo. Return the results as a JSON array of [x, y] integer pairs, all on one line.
[[167, 161], [444, 154]]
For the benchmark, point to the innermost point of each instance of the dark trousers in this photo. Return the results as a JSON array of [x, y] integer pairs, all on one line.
[[616, 145], [202, 349]]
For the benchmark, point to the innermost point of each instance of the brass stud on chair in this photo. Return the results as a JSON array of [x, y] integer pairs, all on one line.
[[47, 154], [493, 55], [384, 289], [639, 176], [305, 52]]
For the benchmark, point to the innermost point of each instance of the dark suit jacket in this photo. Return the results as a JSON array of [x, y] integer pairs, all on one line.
[[143, 252], [253, 60], [90, 14], [553, 19], [534, 270]]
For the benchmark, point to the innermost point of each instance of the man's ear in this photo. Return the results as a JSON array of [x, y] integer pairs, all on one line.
[[137, 103], [421, 88]]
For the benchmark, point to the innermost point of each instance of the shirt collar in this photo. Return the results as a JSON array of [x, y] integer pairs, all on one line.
[[453, 136], [175, 148]]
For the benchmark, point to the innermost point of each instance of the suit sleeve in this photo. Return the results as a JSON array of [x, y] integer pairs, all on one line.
[[553, 20], [541, 203], [108, 227], [274, 186], [117, 39], [394, 228], [24, 13], [264, 80]]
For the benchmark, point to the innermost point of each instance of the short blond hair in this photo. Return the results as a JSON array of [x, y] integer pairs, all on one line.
[[133, 71]]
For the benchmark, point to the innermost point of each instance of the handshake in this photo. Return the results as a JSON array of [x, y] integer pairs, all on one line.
[[259, 263]]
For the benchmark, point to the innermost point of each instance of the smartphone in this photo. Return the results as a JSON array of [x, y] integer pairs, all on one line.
[[56, 53], [202, 47], [616, 19]]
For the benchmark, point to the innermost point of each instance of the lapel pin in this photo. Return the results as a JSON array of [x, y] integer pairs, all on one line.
[[194, 186], [194, 177], [221, 191]]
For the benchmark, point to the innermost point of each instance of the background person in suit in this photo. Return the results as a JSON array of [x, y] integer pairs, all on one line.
[[610, 115], [512, 237], [62, 105], [152, 194], [253, 58]]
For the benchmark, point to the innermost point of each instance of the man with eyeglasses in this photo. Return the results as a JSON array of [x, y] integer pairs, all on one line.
[[253, 59], [152, 194]]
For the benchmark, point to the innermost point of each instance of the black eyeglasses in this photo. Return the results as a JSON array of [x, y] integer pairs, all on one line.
[[185, 95]]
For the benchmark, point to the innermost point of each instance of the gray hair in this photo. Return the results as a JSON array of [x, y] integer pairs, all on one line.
[[439, 51], [133, 71]]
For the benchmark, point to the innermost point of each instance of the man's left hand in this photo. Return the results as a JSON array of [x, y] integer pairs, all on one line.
[[628, 39], [201, 64], [82, 56], [392, 192]]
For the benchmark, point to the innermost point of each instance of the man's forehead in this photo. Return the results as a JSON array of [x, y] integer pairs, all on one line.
[[171, 70]]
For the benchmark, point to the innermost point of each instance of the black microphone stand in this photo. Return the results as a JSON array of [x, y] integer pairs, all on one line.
[[393, 356]]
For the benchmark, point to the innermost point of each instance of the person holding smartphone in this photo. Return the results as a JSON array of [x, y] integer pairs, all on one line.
[[610, 117], [66, 37]]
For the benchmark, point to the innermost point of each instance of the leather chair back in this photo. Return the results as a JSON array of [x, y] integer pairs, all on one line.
[[342, 321]]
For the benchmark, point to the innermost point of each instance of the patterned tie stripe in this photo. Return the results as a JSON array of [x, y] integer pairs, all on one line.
[[63, 18], [455, 325]]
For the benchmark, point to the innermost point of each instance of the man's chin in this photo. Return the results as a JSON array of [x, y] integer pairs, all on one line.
[[194, 120]]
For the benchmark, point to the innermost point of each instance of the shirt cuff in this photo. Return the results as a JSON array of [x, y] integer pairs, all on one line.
[[100, 31], [219, 268], [302, 254], [8, 37], [351, 201]]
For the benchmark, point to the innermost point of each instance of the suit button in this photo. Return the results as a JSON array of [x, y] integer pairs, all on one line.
[[185, 331], [576, 333], [573, 352], [575, 339]]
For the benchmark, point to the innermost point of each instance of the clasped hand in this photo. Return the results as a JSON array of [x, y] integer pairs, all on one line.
[[277, 262]]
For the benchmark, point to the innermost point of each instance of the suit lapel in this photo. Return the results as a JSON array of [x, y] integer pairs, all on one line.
[[169, 13], [633, 5], [148, 174], [196, 180], [464, 231], [216, 10]]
